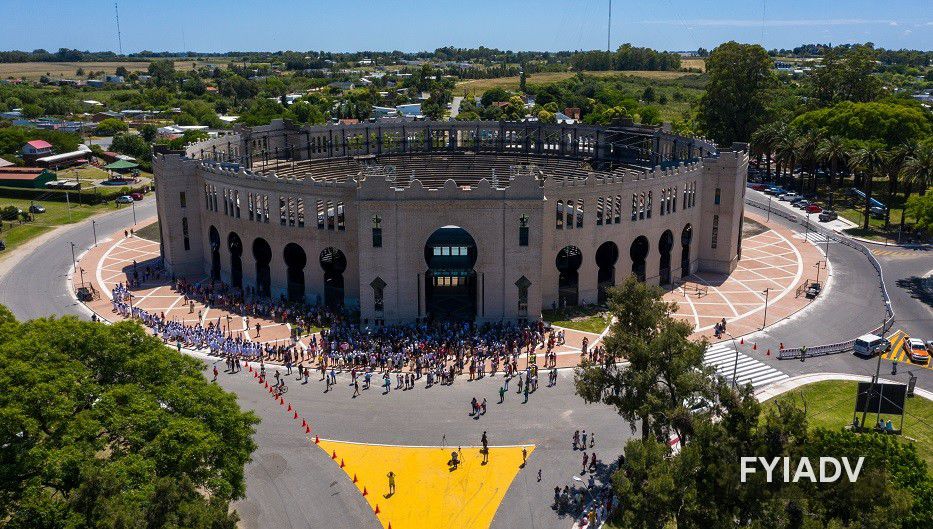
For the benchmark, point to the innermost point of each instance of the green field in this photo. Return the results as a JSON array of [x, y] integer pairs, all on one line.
[[830, 405], [56, 214]]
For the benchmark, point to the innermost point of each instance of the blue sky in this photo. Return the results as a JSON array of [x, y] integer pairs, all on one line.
[[349, 25]]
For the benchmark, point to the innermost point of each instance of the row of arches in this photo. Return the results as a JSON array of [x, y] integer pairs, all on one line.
[[570, 259], [331, 260]]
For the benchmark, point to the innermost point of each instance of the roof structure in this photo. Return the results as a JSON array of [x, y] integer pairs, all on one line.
[[120, 165], [39, 144], [5, 163]]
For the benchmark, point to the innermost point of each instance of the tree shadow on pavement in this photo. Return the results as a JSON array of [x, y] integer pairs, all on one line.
[[919, 288]]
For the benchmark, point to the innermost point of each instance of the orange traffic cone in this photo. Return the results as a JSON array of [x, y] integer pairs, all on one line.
[[281, 401], [303, 422], [267, 385], [755, 347], [249, 367], [307, 429], [317, 440], [769, 352], [296, 415], [342, 464], [334, 455], [742, 341], [377, 509], [354, 478], [782, 346], [289, 407], [390, 525], [365, 492]]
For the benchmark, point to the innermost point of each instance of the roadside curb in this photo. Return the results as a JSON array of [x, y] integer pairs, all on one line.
[[778, 388]]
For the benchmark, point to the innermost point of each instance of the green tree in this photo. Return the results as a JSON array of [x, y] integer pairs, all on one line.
[[665, 370], [111, 126], [846, 75], [650, 115], [32, 110], [648, 94], [115, 430], [870, 161], [920, 207], [917, 173], [833, 152], [162, 72], [148, 132], [493, 95], [734, 103]]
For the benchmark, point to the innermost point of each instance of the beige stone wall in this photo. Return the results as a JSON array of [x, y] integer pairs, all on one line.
[[491, 215]]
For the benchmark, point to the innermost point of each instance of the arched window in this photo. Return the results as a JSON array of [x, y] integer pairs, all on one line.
[[634, 206], [599, 211], [580, 213], [377, 231], [570, 212], [523, 230], [648, 205], [523, 283], [300, 212], [560, 215], [378, 286], [618, 209]]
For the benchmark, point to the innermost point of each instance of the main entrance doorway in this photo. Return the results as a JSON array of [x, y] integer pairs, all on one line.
[[450, 281]]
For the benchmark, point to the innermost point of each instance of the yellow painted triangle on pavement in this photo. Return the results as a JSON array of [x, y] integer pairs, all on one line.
[[428, 493]]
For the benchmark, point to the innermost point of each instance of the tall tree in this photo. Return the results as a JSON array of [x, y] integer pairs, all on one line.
[[665, 370], [870, 161], [832, 152], [917, 172], [733, 106]]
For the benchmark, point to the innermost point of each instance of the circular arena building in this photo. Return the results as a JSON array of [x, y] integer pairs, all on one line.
[[480, 221]]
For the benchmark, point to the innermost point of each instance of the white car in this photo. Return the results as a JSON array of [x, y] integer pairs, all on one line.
[[787, 197], [125, 199]]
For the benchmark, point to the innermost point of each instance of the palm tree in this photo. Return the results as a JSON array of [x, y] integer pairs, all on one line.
[[764, 140], [917, 171], [894, 167], [806, 155], [833, 151], [869, 160], [785, 150]]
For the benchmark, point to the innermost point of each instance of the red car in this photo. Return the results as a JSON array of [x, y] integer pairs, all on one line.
[[814, 208], [759, 187], [136, 196]]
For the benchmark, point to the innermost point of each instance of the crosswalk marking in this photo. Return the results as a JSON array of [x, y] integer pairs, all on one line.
[[747, 370], [814, 237]]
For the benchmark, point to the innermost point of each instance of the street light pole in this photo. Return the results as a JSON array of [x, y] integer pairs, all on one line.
[[74, 261], [94, 228], [735, 366], [767, 295], [134, 212], [769, 208], [818, 267]]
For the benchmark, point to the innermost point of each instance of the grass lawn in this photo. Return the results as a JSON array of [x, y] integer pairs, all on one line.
[[87, 173], [580, 318], [830, 404], [56, 214], [150, 232]]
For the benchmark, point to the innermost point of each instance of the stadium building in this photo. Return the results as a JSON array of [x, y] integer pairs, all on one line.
[[483, 221]]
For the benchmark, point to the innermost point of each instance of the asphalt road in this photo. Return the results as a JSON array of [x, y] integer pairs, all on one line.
[[36, 287]]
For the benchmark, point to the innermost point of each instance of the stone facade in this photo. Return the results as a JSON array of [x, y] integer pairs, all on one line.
[[275, 207]]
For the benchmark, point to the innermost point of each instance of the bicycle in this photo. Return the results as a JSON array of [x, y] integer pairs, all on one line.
[[280, 390]]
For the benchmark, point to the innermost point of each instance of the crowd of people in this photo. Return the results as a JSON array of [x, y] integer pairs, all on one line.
[[438, 351]]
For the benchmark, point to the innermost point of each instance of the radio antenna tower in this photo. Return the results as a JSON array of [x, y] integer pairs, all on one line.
[[119, 37], [609, 29]]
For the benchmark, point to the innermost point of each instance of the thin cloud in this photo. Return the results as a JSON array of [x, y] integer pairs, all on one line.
[[753, 23]]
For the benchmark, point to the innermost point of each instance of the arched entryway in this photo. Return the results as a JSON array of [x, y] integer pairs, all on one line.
[[450, 281], [686, 237], [333, 263], [568, 263], [262, 253], [295, 261], [665, 245], [214, 237], [606, 256], [638, 252], [235, 245]]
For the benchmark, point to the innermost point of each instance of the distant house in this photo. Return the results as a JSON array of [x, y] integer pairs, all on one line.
[[96, 83], [348, 121], [36, 148], [410, 110], [342, 85], [28, 177], [572, 112], [82, 155], [114, 79], [5, 163], [100, 116], [384, 112]]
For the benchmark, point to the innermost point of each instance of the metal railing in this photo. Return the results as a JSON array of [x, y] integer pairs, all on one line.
[[840, 347]]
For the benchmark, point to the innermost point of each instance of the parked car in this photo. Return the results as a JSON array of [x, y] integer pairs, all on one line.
[[870, 345], [2, 246], [10, 213], [788, 197], [802, 203], [775, 190], [136, 196], [813, 208], [827, 215], [36, 208], [877, 212], [124, 199], [917, 351], [759, 187]]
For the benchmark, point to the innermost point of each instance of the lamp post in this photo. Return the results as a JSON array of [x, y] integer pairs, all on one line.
[[74, 261], [806, 235], [134, 212], [767, 295], [819, 266], [769, 208], [735, 366], [82, 276], [94, 228]]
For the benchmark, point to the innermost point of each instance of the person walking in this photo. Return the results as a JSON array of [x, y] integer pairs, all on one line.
[[483, 406], [391, 476], [502, 392], [583, 439], [215, 374], [356, 388], [526, 394], [586, 460], [576, 439]]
